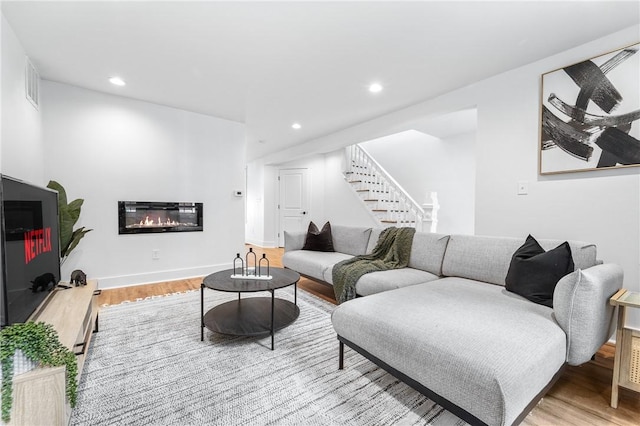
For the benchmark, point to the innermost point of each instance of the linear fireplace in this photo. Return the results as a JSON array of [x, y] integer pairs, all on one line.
[[136, 217]]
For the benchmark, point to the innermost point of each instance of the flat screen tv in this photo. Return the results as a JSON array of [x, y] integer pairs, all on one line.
[[30, 248]]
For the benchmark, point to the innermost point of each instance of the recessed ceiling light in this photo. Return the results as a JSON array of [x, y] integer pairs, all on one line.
[[117, 81], [375, 88], [296, 126]]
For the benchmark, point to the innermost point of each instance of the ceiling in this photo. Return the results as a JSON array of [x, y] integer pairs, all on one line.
[[270, 64]]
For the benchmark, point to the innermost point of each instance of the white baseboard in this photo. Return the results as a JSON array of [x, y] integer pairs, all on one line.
[[159, 276], [261, 243]]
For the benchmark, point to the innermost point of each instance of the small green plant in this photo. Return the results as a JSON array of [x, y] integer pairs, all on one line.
[[39, 342], [68, 215]]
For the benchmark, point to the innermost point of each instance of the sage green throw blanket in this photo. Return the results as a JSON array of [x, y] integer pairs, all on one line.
[[392, 251]]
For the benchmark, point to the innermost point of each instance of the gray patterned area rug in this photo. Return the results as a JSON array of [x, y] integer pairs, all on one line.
[[147, 366]]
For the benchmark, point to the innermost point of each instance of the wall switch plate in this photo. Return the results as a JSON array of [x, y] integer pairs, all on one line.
[[523, 187], [155, 254]]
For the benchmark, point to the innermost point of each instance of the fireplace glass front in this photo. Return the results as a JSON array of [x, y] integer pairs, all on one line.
[[135, 217]]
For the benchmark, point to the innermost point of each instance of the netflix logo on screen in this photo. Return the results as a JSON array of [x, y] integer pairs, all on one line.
[[36, 242]]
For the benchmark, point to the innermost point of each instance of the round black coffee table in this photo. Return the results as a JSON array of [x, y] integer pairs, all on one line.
[[251, 316]]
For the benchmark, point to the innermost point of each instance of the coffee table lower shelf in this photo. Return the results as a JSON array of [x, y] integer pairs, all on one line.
[[251, 316]]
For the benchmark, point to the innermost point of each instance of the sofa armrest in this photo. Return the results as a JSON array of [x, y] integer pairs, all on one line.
[[294, 240], [581, 307]]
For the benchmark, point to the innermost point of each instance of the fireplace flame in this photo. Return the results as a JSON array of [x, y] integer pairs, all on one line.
[[150, 222]]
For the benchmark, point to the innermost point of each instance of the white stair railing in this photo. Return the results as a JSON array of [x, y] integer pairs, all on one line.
[[385, 199]]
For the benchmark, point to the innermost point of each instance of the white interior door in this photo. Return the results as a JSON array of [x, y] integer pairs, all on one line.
[[293, 208]]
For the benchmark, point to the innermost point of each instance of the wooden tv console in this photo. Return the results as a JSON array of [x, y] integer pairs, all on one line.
[[39, 396]]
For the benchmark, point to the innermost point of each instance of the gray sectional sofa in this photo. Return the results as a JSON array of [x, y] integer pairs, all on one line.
[[447, 326]]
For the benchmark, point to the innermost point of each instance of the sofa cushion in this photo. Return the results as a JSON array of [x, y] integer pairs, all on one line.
[[427, 252], [350, 240], [534, 272], [318, 240], [580, 304], [482, 348], [376, 282], [312, 263], [487, 259]]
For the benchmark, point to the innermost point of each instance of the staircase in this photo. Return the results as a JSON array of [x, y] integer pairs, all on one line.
[[387, 202]]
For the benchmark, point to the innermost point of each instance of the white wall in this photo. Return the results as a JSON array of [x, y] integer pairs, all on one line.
[[271, 218], [261, 227], [21, 148], [106, 148], [602, 207], [255, 219], [421, 163]]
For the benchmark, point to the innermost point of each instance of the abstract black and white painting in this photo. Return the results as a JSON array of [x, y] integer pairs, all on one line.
[[590, 115]]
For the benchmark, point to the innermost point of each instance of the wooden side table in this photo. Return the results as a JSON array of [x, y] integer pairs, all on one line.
[[626, 367]]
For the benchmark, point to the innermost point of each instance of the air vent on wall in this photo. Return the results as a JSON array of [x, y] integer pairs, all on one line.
[[32, 84]]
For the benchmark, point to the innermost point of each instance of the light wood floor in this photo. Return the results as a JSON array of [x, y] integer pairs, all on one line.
[[580, 397]]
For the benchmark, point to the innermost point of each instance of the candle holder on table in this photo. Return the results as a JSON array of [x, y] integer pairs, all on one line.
[[243, 271]]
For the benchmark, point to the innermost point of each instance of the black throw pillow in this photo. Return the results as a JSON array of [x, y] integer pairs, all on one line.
[[319, 240], [534, 273]]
